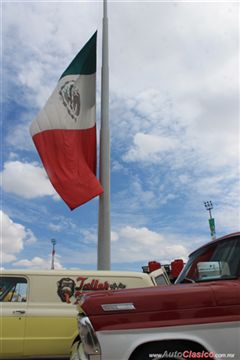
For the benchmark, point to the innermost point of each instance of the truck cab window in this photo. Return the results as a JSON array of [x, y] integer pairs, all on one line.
[[13, 289]]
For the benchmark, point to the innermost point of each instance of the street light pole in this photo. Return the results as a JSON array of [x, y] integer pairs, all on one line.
[[53, 241], [209, 206]]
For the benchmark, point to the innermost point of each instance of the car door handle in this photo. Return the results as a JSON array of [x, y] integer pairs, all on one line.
[[21, 312]]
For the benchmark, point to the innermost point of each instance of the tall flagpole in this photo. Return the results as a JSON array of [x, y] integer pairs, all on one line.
[[104, 232]]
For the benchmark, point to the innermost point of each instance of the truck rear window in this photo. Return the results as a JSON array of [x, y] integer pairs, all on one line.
[[160, 280]]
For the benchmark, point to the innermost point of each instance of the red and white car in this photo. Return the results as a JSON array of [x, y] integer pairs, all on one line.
[[198, 317]]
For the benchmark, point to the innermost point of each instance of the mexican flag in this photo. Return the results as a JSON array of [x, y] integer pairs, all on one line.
[[64, 132]]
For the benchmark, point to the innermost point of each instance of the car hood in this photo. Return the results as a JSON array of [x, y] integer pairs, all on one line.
[[180, 296]]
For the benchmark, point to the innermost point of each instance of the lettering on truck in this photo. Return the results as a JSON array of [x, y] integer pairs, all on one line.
[[197, 316], [68, 288]]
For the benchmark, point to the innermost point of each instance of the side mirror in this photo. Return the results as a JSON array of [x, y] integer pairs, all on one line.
[[212, 270]]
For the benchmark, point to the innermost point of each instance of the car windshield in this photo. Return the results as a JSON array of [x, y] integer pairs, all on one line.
[[217, 261]]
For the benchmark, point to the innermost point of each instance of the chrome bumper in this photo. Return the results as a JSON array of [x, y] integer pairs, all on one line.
[[77, 353]]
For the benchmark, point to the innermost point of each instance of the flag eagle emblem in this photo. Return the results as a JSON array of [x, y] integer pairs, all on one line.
[[70, 97]]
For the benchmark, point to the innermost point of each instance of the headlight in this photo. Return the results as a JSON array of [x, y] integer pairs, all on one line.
[[88, 337]]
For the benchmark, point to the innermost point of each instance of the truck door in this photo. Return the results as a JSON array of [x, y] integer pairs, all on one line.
[[227, 291], [51, 323], [13, 297]]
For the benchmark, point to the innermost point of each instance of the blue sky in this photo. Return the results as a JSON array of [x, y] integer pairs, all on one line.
[[174, 120]]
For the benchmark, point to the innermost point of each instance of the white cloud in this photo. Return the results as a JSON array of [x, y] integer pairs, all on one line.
[[40, 60], [13, 238], [61, 223], [175, 55], [132, 244], [141, 195], [142, 244], [116, 166], [6, 258], [13, 156], [201, 131], [138, 195], [143, 235], [55, 227], [19, 137], [30, 237], [38, 263], [150, 148], [114, 236], [12, 235], [203, 165], [227, 218], [27, 180]]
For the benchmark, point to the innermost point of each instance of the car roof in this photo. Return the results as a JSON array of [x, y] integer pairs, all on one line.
[[225, 237], [76, 272]]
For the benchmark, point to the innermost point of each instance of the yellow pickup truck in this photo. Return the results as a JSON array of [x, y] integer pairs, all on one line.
[[38, 312]]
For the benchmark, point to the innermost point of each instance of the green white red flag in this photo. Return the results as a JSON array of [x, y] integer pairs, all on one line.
[[64, 132]]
